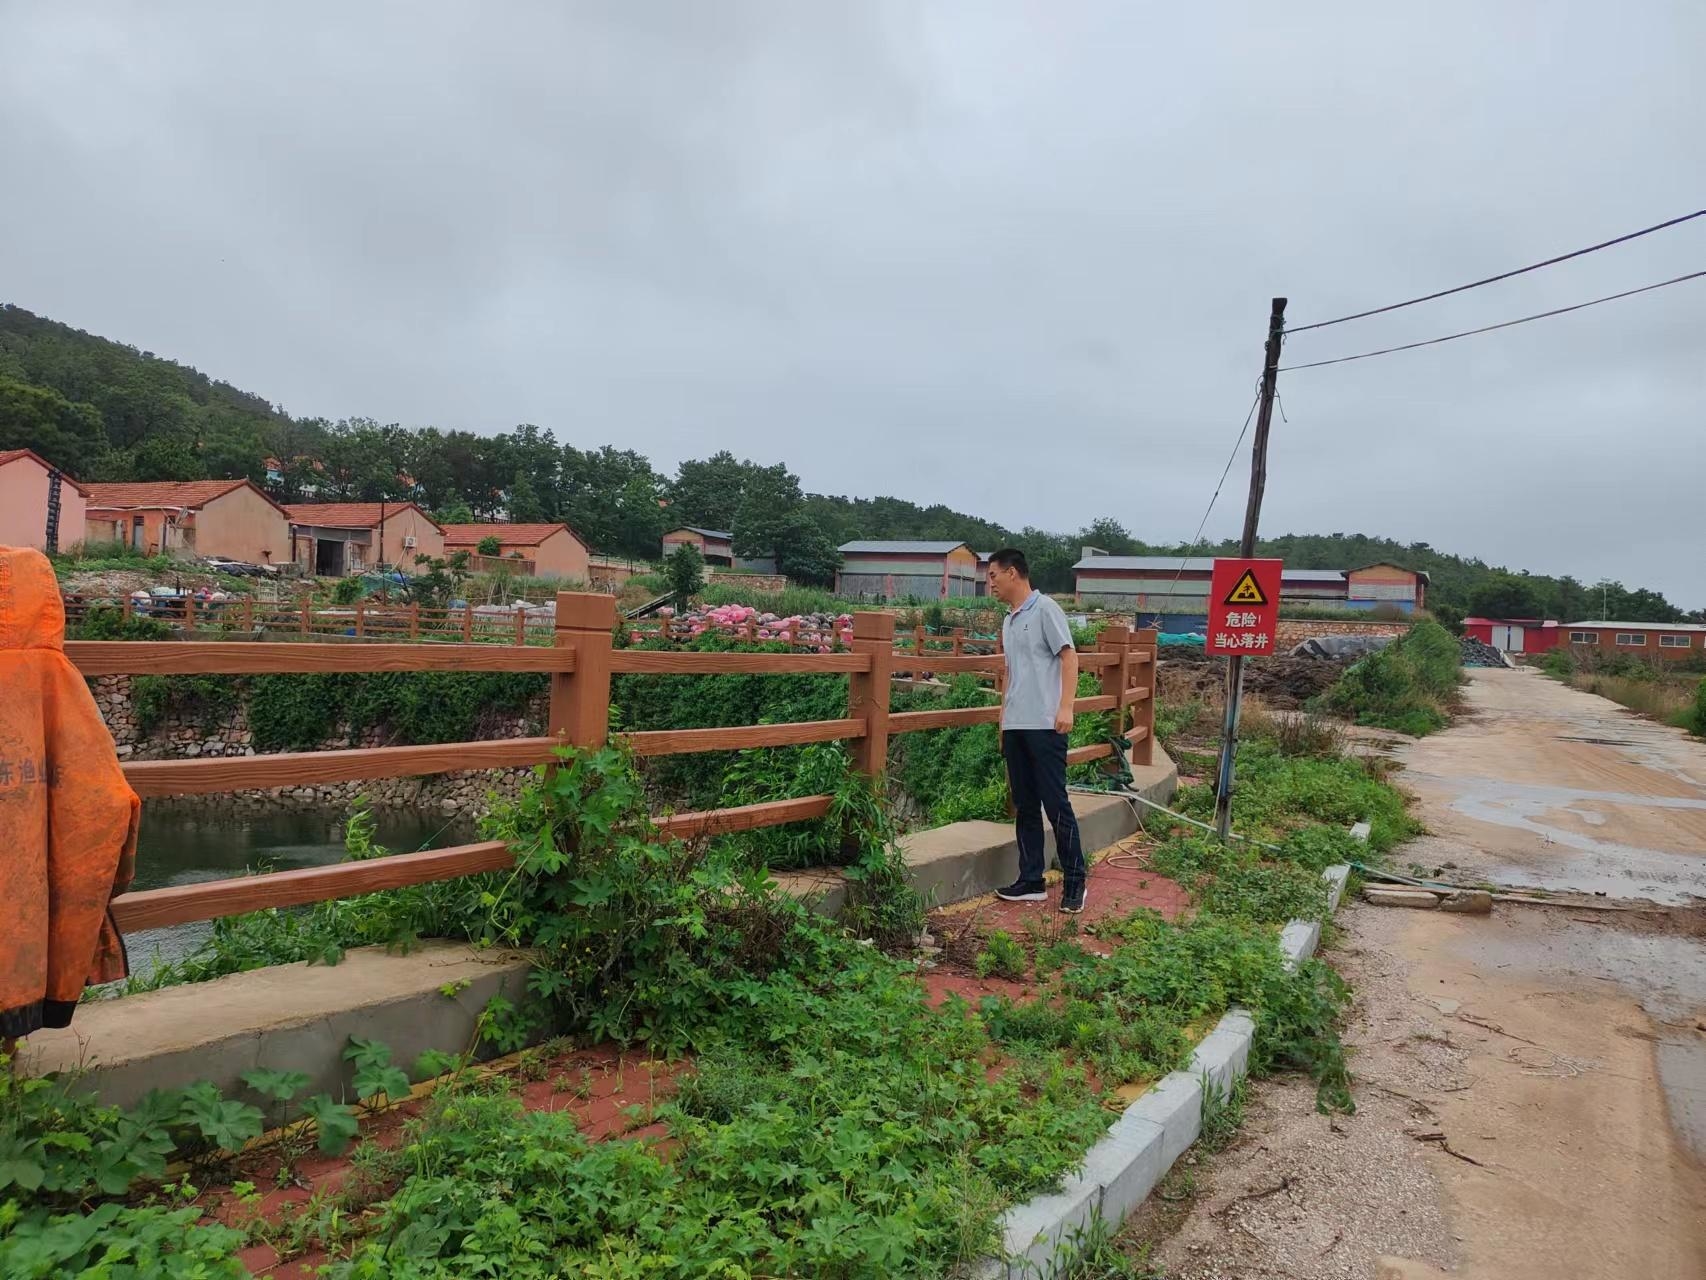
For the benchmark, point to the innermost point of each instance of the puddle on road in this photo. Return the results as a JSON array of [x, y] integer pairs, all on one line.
[[1603, 865]]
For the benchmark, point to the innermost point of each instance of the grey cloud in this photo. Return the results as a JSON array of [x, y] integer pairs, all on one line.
[[1013, 257]]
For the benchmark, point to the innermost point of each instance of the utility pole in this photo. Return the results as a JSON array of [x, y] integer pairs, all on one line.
[[1247, 548]]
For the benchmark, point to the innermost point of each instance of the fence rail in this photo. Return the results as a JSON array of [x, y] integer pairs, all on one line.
[[580, 662]]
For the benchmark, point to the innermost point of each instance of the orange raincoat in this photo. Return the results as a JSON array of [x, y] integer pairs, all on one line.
[[67, 816]]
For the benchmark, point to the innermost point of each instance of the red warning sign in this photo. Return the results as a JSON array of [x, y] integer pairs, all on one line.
[[1243, 606]]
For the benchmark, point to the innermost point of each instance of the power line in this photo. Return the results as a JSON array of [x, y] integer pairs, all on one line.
[[1469, 333], [1215, 496], [1476, 284]]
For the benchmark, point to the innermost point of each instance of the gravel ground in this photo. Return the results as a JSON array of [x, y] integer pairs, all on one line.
[[1304, 1196]]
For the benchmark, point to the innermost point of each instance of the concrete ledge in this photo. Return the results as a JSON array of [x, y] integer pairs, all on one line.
[[965, 859], [292, 1017], [1041, 1236], [968, 859]]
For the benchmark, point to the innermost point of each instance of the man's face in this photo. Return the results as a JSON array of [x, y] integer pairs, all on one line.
[[1005, 583]]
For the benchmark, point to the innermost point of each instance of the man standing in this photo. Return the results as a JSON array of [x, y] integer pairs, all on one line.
[[1036, 716]]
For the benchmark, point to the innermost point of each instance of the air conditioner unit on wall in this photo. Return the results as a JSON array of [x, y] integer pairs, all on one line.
[[408, 542]]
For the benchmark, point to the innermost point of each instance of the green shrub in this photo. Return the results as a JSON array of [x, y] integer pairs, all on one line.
[[346, 591], [1409, 685], [107, 622], [1696, 723]]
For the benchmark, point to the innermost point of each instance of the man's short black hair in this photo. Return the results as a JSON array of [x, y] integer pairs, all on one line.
[[1014, 559]]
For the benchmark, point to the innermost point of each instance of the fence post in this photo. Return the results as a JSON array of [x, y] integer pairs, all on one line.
[[248, 613], [580, 700], [918, 640], [868, 691], [1115, 639], [360, 618], [129, 604], [307, 604], [520, 625], [467, 622], [189, 613], [959, 641], [1145, 669]]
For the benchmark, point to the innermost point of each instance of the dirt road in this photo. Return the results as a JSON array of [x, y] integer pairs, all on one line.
[[1532, 1086]]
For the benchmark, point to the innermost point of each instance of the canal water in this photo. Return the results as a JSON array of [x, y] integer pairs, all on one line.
[[179, 844]]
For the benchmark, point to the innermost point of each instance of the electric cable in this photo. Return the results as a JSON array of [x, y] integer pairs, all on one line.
[[1476, 284], [1469, 333]]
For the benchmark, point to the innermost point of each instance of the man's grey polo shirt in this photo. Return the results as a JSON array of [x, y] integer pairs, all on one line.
[[1032, 637]]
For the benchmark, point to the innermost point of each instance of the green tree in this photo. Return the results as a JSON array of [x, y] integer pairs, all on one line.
[[708, 492], [685, 569], [1505, 596], [524, 505], [456, 513], [771, 509], [166, 457], [490, 545], [69, 436], [806, 553], [610, 497]]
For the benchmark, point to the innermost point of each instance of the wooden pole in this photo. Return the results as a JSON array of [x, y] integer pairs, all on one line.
[[580, 701], [1144, 673], [307, 605], [868, 691], [360, 618], [248, 613], [1247, 548], [467, 621], [520, 625], [1115, 639]]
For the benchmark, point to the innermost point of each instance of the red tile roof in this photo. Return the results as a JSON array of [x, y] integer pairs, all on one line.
[[166, 493], [511, 535], [351, 515], [12, 455]]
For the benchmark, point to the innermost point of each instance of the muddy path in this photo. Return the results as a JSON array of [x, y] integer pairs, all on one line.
[[1531, 1085]]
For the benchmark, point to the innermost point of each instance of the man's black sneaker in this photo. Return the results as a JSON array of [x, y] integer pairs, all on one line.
[[1072, 898], [1024, 891]]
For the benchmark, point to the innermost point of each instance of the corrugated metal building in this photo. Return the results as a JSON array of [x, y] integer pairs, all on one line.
[[898, 570], [1173, 590]]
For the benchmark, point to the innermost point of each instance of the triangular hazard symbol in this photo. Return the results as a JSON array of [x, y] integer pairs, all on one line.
[[1245, 591]]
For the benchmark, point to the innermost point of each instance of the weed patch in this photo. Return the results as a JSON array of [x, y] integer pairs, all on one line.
[[1409, 686]]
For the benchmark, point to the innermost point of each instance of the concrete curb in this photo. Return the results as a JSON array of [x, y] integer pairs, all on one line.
[[1140, 1147]]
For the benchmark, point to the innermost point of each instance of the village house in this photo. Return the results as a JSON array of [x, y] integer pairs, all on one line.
[[896, 570], [40, 506], [548, 550], [234, 519], [339, 539]]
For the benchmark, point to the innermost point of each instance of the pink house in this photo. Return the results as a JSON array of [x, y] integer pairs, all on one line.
[[40, 506]]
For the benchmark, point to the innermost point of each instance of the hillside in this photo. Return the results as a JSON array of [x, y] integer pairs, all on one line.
[[107, 411]]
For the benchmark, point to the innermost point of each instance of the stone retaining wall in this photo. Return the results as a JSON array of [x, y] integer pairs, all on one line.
[[180, 737], [1294, 631]]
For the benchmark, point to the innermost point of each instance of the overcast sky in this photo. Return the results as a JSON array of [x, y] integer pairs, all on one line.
[[1012, 257]]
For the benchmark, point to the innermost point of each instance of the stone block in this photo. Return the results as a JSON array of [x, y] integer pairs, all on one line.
[[1040, 1234], [1127, 1163], [1298, 941], [1175, 1106]]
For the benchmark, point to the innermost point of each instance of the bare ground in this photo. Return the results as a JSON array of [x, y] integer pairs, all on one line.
[[1531, 1086]]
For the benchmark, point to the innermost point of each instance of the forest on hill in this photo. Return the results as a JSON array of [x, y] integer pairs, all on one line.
[[106, 411]]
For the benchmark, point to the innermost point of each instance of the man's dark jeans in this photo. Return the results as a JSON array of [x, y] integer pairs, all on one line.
[[1036, 774]]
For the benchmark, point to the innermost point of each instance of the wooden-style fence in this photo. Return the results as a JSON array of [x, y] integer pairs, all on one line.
[[580, 661], [302, 618], [481, 624]]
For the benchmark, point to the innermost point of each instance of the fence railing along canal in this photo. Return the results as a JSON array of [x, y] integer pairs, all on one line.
[[580, 662]]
